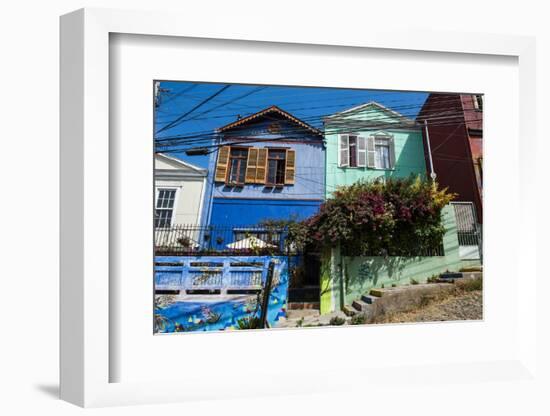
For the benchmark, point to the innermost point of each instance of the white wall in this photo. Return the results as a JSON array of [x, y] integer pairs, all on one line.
[[188, 199], [29, 108]]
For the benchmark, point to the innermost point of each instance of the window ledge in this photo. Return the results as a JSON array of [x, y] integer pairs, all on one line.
[[365, 168]]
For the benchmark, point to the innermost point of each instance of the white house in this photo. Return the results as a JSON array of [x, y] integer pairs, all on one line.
[[179, 192]]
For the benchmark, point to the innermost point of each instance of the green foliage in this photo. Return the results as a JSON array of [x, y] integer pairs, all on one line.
[[336, 320], [397, 217], [248, 322], [358, 319], [296, 232], [414, 281], [433, 278]]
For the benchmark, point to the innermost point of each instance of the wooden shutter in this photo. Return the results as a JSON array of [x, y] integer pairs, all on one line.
[[221, 166], [343, 151], [290, 167], [251, 165], [361, 152], [391, 143], [261, 167], [371, 159]]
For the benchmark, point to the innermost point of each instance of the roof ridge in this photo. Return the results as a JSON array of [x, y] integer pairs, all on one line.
[[272, 108], [181, 162], [373, 103]]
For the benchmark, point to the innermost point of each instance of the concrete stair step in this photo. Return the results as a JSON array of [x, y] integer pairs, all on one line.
[[360, 306], [472, 269], [377, 292], [349, 310], [369, 299], [472, 275]]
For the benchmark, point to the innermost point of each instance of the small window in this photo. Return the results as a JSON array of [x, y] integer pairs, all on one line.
[[478, 102], [276, 160], [237, 165], [352, 151], [382, 154], [164, 208]]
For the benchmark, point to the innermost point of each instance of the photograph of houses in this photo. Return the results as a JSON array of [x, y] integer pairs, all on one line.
[[292, 207]]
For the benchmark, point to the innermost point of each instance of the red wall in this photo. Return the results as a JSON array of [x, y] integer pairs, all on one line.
[[454, 151]]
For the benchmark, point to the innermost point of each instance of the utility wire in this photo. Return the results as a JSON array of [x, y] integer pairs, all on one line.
[[355, 104], [234, 139], [182, 117], [338, 122]]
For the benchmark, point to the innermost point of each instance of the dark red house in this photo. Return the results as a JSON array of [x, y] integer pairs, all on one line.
[[454, 125]]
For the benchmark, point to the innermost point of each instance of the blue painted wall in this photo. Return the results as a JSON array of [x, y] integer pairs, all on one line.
[[192, 312], [242, 212], [246, 205]]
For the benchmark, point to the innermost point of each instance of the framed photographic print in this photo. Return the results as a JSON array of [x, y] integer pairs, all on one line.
[[226, 199]]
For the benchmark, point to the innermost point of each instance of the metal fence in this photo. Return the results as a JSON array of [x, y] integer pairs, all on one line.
[[184, 239], [468, 230]]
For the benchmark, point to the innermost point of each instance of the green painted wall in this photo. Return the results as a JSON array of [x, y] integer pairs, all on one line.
[[360, 274], [409, 152]]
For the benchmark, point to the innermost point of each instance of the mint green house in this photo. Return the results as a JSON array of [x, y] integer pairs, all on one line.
[[370, 142]]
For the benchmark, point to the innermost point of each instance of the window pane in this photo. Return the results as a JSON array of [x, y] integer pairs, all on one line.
[[271, 174], [382, 156], [163, 218], [234, 168], [280, 172], [353, 151], [277, 154], [242, 171], [236, 152]]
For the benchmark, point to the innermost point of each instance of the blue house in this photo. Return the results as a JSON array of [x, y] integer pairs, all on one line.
[[269, 165]]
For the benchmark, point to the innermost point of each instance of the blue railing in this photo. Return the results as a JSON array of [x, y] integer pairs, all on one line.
[[211, 273]]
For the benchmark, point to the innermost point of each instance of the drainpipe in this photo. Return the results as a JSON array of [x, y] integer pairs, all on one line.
[[433, 175]]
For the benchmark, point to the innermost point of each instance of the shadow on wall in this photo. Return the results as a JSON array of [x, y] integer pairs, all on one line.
[[410, 160], [373, 270]]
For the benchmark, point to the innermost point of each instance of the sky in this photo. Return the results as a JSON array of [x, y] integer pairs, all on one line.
[[204, 107]]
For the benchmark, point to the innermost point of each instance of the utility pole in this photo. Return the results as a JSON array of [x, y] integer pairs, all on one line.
[[433, 175], [267, 292]]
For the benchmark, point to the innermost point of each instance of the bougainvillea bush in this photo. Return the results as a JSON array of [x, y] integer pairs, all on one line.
[[395, 217]]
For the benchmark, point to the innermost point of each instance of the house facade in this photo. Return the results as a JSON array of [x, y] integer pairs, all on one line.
[[179, 192], [267, 166], [454, 125], [371, 142]]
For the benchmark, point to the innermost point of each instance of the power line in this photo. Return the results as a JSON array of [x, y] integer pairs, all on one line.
[[179, 94], [321, 117], [354, 104], [234, 140], [180, 119], [232, 101], [206, 134]]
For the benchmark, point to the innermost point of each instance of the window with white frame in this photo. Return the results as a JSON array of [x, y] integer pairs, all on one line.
[[478, 102], [374, 151], [353, 151], [382, 159], [164, 207]]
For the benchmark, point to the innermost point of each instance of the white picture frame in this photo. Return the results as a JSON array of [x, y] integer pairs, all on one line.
[[86, 264]]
